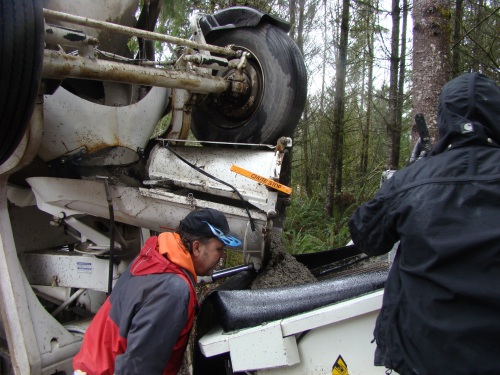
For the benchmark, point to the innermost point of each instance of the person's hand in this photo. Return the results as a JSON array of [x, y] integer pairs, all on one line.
[[417, 153]]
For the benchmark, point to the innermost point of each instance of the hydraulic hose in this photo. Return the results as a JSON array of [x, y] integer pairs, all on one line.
[[111, 234]]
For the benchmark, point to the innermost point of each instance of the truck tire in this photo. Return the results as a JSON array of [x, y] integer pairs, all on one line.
[[272, 106], [21, 58]]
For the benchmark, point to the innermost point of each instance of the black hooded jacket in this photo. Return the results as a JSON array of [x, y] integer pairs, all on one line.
[[441, 308]]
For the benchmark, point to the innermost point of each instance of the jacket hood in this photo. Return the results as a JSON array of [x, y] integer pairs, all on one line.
[[468, 112]]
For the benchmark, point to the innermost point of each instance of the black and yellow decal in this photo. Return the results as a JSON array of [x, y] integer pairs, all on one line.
[[340, 367]]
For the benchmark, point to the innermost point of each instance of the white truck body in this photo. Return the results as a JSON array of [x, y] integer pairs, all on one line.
[[334, 339]]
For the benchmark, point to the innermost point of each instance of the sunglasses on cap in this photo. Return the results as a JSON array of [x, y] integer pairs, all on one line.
[[226, 239]]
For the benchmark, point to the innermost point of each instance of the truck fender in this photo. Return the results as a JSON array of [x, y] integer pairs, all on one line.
[[237, 17]]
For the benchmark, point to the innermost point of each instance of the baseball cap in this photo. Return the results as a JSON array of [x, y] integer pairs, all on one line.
[[208, 222]]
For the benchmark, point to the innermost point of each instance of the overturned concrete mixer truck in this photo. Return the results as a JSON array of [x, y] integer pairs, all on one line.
[[85, 178]]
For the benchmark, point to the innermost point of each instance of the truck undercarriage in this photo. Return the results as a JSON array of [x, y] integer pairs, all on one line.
[[86, 176]]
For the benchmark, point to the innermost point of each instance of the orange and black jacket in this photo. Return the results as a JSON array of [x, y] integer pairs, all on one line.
[[143, 327]]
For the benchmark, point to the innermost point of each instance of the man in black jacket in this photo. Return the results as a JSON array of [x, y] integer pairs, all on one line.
[[441, 307]]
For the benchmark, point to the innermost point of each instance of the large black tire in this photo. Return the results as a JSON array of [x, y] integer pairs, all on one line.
[[21, 58], [273, 105]]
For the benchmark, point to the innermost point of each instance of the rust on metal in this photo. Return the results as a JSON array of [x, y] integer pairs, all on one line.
[[130, 31], [58, 65]]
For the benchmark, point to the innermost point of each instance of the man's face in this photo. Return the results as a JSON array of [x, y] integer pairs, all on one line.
[[207, 255]]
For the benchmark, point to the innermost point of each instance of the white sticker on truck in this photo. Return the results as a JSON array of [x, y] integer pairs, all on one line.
[[85, 267]]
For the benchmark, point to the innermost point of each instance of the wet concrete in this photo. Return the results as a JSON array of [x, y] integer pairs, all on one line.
[[282, 269]]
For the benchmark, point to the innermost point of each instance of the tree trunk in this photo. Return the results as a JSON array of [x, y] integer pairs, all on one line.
[[296, 11], [307, 170], [431, 59], [325, 49], [304, 123], [300, 26], [457, 25], [402, 71], [292, 5], [393, 132], [476, 35], [365, 137], [335, 165]]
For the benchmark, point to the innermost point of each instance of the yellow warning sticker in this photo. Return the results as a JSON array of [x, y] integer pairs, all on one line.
[[340, 367], [262, 180]]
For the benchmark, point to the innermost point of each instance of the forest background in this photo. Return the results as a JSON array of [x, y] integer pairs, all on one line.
[[372, 65]]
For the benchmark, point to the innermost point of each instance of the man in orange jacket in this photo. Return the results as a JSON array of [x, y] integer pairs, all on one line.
[[143, 327]]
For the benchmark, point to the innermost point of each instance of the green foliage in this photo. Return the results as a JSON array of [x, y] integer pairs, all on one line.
[[162, 126], [233, 258], [307, 230], [479, 38]]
